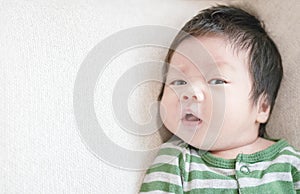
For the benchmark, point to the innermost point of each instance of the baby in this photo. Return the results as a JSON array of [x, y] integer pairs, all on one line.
[[223, 73]]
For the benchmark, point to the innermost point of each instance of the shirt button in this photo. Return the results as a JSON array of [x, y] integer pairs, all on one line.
[[245, 169]]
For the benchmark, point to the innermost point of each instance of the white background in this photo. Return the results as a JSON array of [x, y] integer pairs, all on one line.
[[42, 45]]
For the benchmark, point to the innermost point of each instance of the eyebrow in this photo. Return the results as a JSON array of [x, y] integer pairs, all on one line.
[[220, 64], [174, 72], [178, 67], [223, 65]]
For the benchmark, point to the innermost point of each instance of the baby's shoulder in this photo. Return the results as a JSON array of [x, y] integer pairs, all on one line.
[[289, 153], [173, 147], [287, 157], [174, 142], [172, 152]]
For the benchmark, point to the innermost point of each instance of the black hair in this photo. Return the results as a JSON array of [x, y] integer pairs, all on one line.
[[245, 32]]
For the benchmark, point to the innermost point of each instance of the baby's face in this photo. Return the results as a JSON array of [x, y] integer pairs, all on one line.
[[207, 102]]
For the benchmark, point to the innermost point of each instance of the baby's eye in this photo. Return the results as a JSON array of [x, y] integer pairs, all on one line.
[[217, 81], [178, 82]]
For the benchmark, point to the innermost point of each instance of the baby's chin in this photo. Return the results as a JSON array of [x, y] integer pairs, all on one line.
[[198, 142], [193, 136], [207, 146], [201, 143]]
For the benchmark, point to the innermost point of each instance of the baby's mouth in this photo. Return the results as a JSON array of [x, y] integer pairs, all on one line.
[[191, 117]]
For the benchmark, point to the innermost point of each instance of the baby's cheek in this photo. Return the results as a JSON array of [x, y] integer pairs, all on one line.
[[169, 108], [173, 92], [170, 96], [168, 105]]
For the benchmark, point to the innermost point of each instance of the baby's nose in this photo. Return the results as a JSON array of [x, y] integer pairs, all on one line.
[[193, 94]]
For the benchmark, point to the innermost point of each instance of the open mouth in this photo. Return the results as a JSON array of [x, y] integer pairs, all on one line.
[[190, 119]]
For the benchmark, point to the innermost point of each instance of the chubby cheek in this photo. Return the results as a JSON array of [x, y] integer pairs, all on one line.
[[238, 113], [236, 108], [170, 110]]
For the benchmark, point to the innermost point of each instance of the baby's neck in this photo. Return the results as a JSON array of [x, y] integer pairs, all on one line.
[[258, 145]]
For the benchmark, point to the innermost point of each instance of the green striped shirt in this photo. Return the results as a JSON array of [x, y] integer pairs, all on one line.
[[180, 168]]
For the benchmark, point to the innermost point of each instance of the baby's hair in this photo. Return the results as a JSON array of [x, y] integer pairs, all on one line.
[[245, 33]]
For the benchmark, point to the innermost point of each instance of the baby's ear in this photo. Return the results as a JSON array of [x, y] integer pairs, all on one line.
[[263, 109]]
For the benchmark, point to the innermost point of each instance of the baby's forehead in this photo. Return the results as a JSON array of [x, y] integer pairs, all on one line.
[[182, 64], [206, 53]]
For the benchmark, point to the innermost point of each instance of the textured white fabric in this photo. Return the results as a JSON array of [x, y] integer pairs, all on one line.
[[42, 45]]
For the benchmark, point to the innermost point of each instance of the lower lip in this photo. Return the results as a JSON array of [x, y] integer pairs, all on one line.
[[191, 123]]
